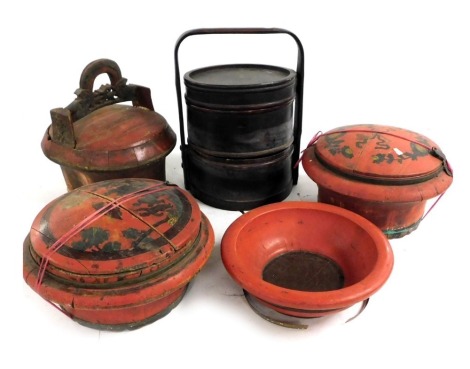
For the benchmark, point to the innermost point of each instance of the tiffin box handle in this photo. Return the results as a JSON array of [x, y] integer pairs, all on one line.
[[297, 129]]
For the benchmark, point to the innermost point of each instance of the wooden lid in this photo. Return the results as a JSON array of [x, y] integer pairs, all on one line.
[[119, 127], [114, 231], [239, 76], [114, 137], [378, 163], [380, 154], [239, 86]]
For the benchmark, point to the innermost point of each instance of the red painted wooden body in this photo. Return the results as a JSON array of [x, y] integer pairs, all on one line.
[[355, 251], [127, 266], [96, 139], [383, 173]]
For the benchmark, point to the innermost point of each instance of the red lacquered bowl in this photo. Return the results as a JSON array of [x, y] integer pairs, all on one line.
[[306, 259]]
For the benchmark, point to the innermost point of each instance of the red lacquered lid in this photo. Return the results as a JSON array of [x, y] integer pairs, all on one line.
[[378, 153], [115, 230], [358, 160]]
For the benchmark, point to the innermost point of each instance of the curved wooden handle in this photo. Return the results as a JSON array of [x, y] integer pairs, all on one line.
[[299, 87], [88, 100], [97, 67]]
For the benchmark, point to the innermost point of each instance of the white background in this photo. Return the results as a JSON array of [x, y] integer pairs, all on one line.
[[402, 63]]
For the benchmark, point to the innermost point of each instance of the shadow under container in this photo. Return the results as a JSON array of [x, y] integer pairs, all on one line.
[[118, 254], [384, 173], [300, 260], [97, 138], [243, 125]]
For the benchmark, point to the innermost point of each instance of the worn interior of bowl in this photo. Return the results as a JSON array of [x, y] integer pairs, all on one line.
[[306, 249]]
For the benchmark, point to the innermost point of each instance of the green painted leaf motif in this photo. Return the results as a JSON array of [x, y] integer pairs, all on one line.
[[140, 239], [91, 237], [378, 158], [347, 152], [333, 151], [149, 205], [333, 142], [112, 246], [419, 150], [123, 188], [133, 234], [361, 140]]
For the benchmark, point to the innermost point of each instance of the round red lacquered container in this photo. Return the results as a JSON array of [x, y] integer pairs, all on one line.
[[117, 254], [99, 136], [383, 173], [306, 259]]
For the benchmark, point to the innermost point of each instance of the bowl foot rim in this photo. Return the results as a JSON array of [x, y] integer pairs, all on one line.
[[289, 321]]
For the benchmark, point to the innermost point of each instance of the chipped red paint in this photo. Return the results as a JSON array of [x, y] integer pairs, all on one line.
[[383, 173], [96, 138], [131, 264]]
